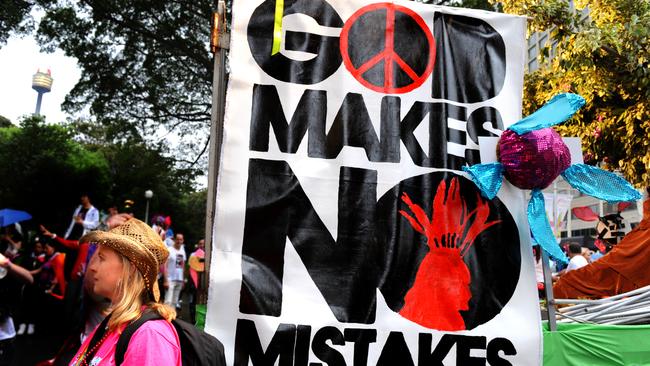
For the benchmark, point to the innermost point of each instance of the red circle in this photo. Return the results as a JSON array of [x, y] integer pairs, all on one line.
[[419, 80]]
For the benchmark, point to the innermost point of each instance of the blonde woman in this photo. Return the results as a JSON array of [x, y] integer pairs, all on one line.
[[124, 270]]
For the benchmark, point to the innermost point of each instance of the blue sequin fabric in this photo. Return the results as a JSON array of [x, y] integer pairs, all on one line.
[[487, 177], [541, 228], [599, 183], [557, 110]]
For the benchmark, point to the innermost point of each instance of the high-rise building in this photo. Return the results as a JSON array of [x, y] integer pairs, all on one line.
[[539, 40]]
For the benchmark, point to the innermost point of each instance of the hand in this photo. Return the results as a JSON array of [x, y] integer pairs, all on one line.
[[117, 220], [166, 284], [45, 232], [4, 261], [78, 220]]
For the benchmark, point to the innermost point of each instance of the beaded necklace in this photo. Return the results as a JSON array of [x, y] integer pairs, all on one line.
[[83, 361], [83, 358]]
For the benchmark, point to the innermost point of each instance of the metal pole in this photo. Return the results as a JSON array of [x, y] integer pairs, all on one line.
[[548, 290], [38, 104], [146, 213], [548, 276], [567, 217], [555, 215], [219, 45]]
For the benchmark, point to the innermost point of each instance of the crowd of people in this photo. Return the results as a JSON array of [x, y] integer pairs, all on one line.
[[60, 273], [106, 271], [578, 256]]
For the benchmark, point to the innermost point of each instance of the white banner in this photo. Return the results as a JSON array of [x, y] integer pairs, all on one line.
[[346, 232], [562, 204]]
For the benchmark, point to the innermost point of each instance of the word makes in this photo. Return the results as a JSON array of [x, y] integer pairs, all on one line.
[[353, 127]]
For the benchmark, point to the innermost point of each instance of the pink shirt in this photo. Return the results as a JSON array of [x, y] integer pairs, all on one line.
[[155, 343]]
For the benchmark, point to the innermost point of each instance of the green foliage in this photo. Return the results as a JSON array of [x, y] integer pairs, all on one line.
[[146, 73], [472, 4], [44, 171], [190, 218], [604, 57], [136, 166], [15, 19], [5, 122], [144, 64]]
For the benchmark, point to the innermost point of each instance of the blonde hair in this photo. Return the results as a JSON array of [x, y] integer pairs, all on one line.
[[132, 295]]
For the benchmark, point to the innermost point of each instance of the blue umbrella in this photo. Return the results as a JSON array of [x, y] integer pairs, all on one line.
[[9, 216]]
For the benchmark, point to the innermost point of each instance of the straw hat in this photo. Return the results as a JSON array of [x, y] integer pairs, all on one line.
[[139, 244]]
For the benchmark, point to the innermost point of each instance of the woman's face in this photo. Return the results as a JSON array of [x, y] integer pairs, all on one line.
[[106, 270], [49, 249]]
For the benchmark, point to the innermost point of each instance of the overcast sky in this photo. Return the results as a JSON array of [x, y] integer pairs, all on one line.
[[19, 60]]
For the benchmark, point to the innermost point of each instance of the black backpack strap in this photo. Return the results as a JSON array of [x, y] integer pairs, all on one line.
[[125, 337]]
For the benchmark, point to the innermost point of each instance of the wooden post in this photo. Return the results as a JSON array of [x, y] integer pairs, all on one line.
[[219, 43]]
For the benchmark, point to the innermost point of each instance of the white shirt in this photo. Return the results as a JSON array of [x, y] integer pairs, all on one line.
[[576, 262], [175, 264], [91, 221]]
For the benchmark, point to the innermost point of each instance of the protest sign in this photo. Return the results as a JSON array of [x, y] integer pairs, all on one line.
[[345, 230]]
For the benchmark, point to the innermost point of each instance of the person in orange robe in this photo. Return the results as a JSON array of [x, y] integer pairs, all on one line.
[[621, 270]]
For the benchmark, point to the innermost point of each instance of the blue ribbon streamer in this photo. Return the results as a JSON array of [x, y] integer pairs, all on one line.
[[487, 177], [599, 183], [560, 108], [540, 227]]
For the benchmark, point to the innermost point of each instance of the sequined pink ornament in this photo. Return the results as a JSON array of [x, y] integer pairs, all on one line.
[[534, 159]]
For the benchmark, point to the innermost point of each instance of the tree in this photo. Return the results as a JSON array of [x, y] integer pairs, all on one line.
[[5, 122], [604, 57], [136, 166], [144, 64], [15, 19], [44, 171], [45, 168], [190, 218], [472, 4]]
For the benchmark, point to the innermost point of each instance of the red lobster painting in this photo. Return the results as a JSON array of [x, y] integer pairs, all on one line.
[[441, 287]]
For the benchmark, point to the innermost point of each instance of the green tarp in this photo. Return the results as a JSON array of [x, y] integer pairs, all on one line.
[[606, 345], [200, 316]]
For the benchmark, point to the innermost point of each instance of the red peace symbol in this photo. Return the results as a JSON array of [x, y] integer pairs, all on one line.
[[370, 49]]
